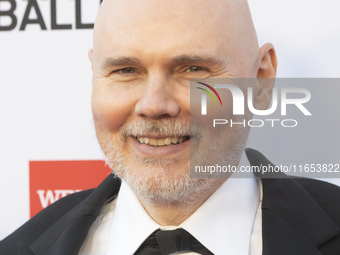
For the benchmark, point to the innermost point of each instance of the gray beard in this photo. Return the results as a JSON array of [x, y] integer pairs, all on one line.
[[157, 186]]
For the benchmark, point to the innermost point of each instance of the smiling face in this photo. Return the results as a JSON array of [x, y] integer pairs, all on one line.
[[145, 53]]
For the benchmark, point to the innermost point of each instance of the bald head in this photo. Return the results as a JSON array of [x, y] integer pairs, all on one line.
[[219, 28]]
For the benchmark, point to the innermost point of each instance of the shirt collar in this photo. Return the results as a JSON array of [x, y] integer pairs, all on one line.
[[223, 223], [131, 224]]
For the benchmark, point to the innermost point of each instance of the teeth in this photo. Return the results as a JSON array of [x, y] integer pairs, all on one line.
[[162, 141], [153, 141], [167, 141]]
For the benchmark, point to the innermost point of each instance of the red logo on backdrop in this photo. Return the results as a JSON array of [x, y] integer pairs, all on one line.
[[52, 180]]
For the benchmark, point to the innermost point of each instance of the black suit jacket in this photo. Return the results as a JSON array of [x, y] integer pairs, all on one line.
[[299, 217]]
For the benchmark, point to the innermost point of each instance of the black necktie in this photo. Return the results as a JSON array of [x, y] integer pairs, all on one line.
[[165, 242]]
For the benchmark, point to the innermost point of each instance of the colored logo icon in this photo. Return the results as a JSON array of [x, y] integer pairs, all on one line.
[[209, 93]]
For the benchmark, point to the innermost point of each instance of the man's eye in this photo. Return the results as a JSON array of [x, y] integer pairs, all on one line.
[[195, 69], [128, 70]]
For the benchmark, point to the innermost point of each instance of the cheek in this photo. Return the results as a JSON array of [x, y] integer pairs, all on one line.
[[111, 107], [183, 98], [218, 111]]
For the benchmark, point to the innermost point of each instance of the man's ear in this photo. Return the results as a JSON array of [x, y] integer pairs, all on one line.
[[90, 55], [265, 77]]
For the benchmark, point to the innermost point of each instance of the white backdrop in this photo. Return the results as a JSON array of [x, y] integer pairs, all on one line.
[[45, 82]]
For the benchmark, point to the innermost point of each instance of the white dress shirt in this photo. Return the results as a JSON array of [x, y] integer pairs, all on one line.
[[228, 222]]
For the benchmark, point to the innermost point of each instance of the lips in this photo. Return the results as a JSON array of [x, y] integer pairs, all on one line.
[[162, 142]]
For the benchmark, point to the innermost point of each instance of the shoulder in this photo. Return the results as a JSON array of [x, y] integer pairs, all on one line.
[[21, 239], [327, 195], [280, 190]]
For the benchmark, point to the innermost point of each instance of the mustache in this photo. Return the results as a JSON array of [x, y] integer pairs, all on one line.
[[162, 127]]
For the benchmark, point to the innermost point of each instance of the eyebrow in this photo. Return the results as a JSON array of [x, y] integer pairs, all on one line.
[[187, 59], [181, 59], [119, 61]]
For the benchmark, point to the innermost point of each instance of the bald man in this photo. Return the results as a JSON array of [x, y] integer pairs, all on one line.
[[144, 55]]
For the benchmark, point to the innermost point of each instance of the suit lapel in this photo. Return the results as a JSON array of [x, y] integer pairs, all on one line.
[[67, 235], [292, 221]]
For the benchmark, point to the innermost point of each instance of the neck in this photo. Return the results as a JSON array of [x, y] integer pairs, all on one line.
[[174, 213]]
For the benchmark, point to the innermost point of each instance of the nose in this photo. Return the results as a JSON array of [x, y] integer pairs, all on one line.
[[158, 100]]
